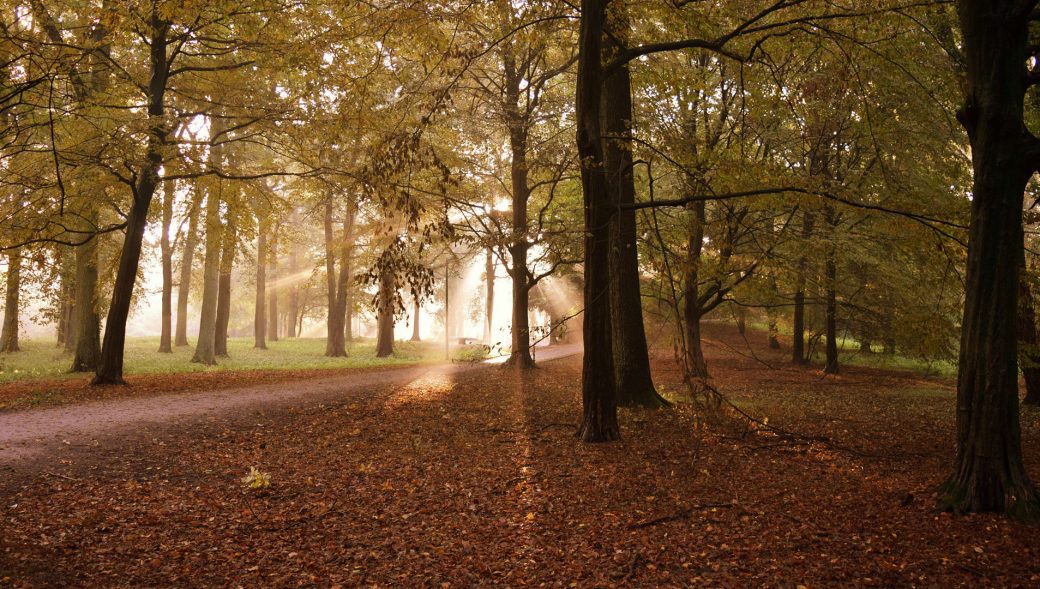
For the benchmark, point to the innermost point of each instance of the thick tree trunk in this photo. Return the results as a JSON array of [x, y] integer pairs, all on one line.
[[9, 334], [520, 352], [88, 323], [385, 333], [191, 243], [227, 264], [416, 310], [599, 401], [110, 366], [635, 385], [1028, 339], [988, 473], [166, 255], [334, 345], [205, 352], [260, 310]]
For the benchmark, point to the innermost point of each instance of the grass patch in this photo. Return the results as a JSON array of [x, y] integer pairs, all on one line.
[[40, 360]]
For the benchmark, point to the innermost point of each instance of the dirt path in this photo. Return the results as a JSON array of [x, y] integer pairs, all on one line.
[[34, 434]]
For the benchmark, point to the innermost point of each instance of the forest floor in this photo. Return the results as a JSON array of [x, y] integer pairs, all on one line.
[[460, 477]]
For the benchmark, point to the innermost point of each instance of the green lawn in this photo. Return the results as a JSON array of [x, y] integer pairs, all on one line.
[[42, 359]]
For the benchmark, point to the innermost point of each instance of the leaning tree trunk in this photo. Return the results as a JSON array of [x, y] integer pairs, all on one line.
[[227, 263], [260, 311], [385, 335], [110, 365], [989, 474], [166, 253], [191, 242], [205, 352], [9, 335], [1028, 340], [635, 385], [599, 401]]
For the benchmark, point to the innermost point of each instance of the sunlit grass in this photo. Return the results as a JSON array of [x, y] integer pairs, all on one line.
[[41, 359]]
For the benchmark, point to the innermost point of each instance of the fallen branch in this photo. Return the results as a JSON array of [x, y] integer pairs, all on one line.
[[682, 515]]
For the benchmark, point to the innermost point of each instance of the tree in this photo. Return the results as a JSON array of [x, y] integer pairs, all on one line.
[[9, 334], [599, 401], [988, 472]]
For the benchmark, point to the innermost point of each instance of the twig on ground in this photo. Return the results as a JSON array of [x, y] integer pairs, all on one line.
[[684, 514]]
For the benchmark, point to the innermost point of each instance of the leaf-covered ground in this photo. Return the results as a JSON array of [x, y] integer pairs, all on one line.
[[475, 479]]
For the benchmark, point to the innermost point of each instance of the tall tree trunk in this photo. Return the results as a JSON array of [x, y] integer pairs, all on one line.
[[88, 323], [385, 335], [599, 401], [191, 243], [1028, 340], [798, 352], [520, 352], [227, 263], [334, 345], [988, 473], [696, 367], [489, 294], [346, 272], [166, 253], [205, 352], [416, 310], [635, 385], [9, 335], [740, 315], [67, 277], [272, 291], [260, 310], [832, 367], [110, 366], [294, 291]]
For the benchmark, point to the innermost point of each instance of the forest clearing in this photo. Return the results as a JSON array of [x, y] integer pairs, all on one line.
[[471, 479], [519, 293]]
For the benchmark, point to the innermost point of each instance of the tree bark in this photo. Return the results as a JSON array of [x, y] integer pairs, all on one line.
[[517, 123], [110, 365], [798, 353], [66, 310], [696, 367], [272, 292], [416, 310], [1028, 340], [9, 334], [632, 377], [205, 352], [385, 331], [166, 253], [260, 310], [191, 243], [599, 401], [88, 323], [832, 367], [294, 291], [489, 294], [227, 263], [988, 473]]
